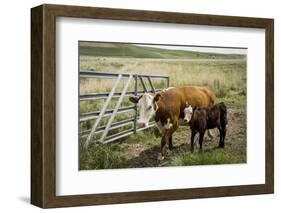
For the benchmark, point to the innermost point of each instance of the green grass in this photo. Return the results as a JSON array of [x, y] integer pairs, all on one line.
[[112, 155], [235, 101], [101, 157], [216, 156], [116, 155], [147, 138]]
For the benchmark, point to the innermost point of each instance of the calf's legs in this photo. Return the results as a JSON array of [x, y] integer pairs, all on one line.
[[201, 140], [222, 136], [201, 137], [193, 133]]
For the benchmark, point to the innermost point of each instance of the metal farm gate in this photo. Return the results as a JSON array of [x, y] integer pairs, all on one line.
[[146, 82]]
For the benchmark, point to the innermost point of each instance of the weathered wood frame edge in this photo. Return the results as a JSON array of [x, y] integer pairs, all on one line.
[[43, 105]]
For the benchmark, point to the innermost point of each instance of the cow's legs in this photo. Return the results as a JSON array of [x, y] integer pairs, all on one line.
[[222, 136], [171, 142], [164, 141], [201, 139], [193, 133], [171, 132]]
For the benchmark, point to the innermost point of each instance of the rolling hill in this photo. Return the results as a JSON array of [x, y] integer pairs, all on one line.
[[134, 51]]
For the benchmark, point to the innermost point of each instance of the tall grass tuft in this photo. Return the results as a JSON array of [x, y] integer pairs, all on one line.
[[100, 157]]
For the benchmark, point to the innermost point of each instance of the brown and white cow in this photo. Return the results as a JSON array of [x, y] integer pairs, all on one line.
[[167, 107]]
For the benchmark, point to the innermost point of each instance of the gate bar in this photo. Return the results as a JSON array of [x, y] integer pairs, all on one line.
[[98, 96], [136, 109], [143, 84], [89, 74], [103, 110], [95, 114], [113, 126], [151, 85], [116, 109]]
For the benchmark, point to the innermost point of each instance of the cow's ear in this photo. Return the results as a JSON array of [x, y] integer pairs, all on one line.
[[157, 97], [194, 108], [134, 99]]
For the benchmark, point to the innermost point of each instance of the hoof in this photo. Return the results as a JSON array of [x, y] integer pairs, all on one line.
[[168, 152], [160, 157]]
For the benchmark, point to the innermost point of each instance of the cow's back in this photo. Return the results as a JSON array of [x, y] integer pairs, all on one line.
[[173, 101], [210, 96], [198, 96]]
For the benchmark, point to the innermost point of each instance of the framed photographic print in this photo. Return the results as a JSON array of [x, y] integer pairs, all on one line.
[[137, 106]]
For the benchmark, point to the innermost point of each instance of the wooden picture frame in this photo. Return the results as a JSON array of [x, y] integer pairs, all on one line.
[[43, 105]]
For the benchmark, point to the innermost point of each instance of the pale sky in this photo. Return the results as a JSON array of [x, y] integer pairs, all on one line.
[[224, 50]]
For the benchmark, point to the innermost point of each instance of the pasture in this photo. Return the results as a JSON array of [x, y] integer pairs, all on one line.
[[224, 74]]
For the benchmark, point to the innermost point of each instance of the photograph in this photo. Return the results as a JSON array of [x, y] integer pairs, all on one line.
[[161, 105], [169, 105]]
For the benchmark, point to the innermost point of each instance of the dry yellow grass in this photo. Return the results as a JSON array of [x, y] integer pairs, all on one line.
[[216, 74]]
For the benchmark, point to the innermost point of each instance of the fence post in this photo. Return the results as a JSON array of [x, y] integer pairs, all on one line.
[[136, 110]]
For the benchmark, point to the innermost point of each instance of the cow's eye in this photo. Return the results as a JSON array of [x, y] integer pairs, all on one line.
[[149, 108]]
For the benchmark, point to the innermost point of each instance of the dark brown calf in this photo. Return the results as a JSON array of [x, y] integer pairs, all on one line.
[[208, 118]]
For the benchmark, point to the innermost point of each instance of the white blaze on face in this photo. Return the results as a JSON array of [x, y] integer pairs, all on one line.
[[187, 114], [146, 109]]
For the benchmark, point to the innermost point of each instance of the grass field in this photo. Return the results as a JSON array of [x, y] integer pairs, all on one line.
[[225, 74]]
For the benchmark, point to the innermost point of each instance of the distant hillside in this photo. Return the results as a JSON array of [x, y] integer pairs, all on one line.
[[133, 51]]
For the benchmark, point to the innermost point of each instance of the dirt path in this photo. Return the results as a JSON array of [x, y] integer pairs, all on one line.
[[141, 155]]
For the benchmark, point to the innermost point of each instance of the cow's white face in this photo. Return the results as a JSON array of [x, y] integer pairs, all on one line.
[[187, 113], [145, 108]]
